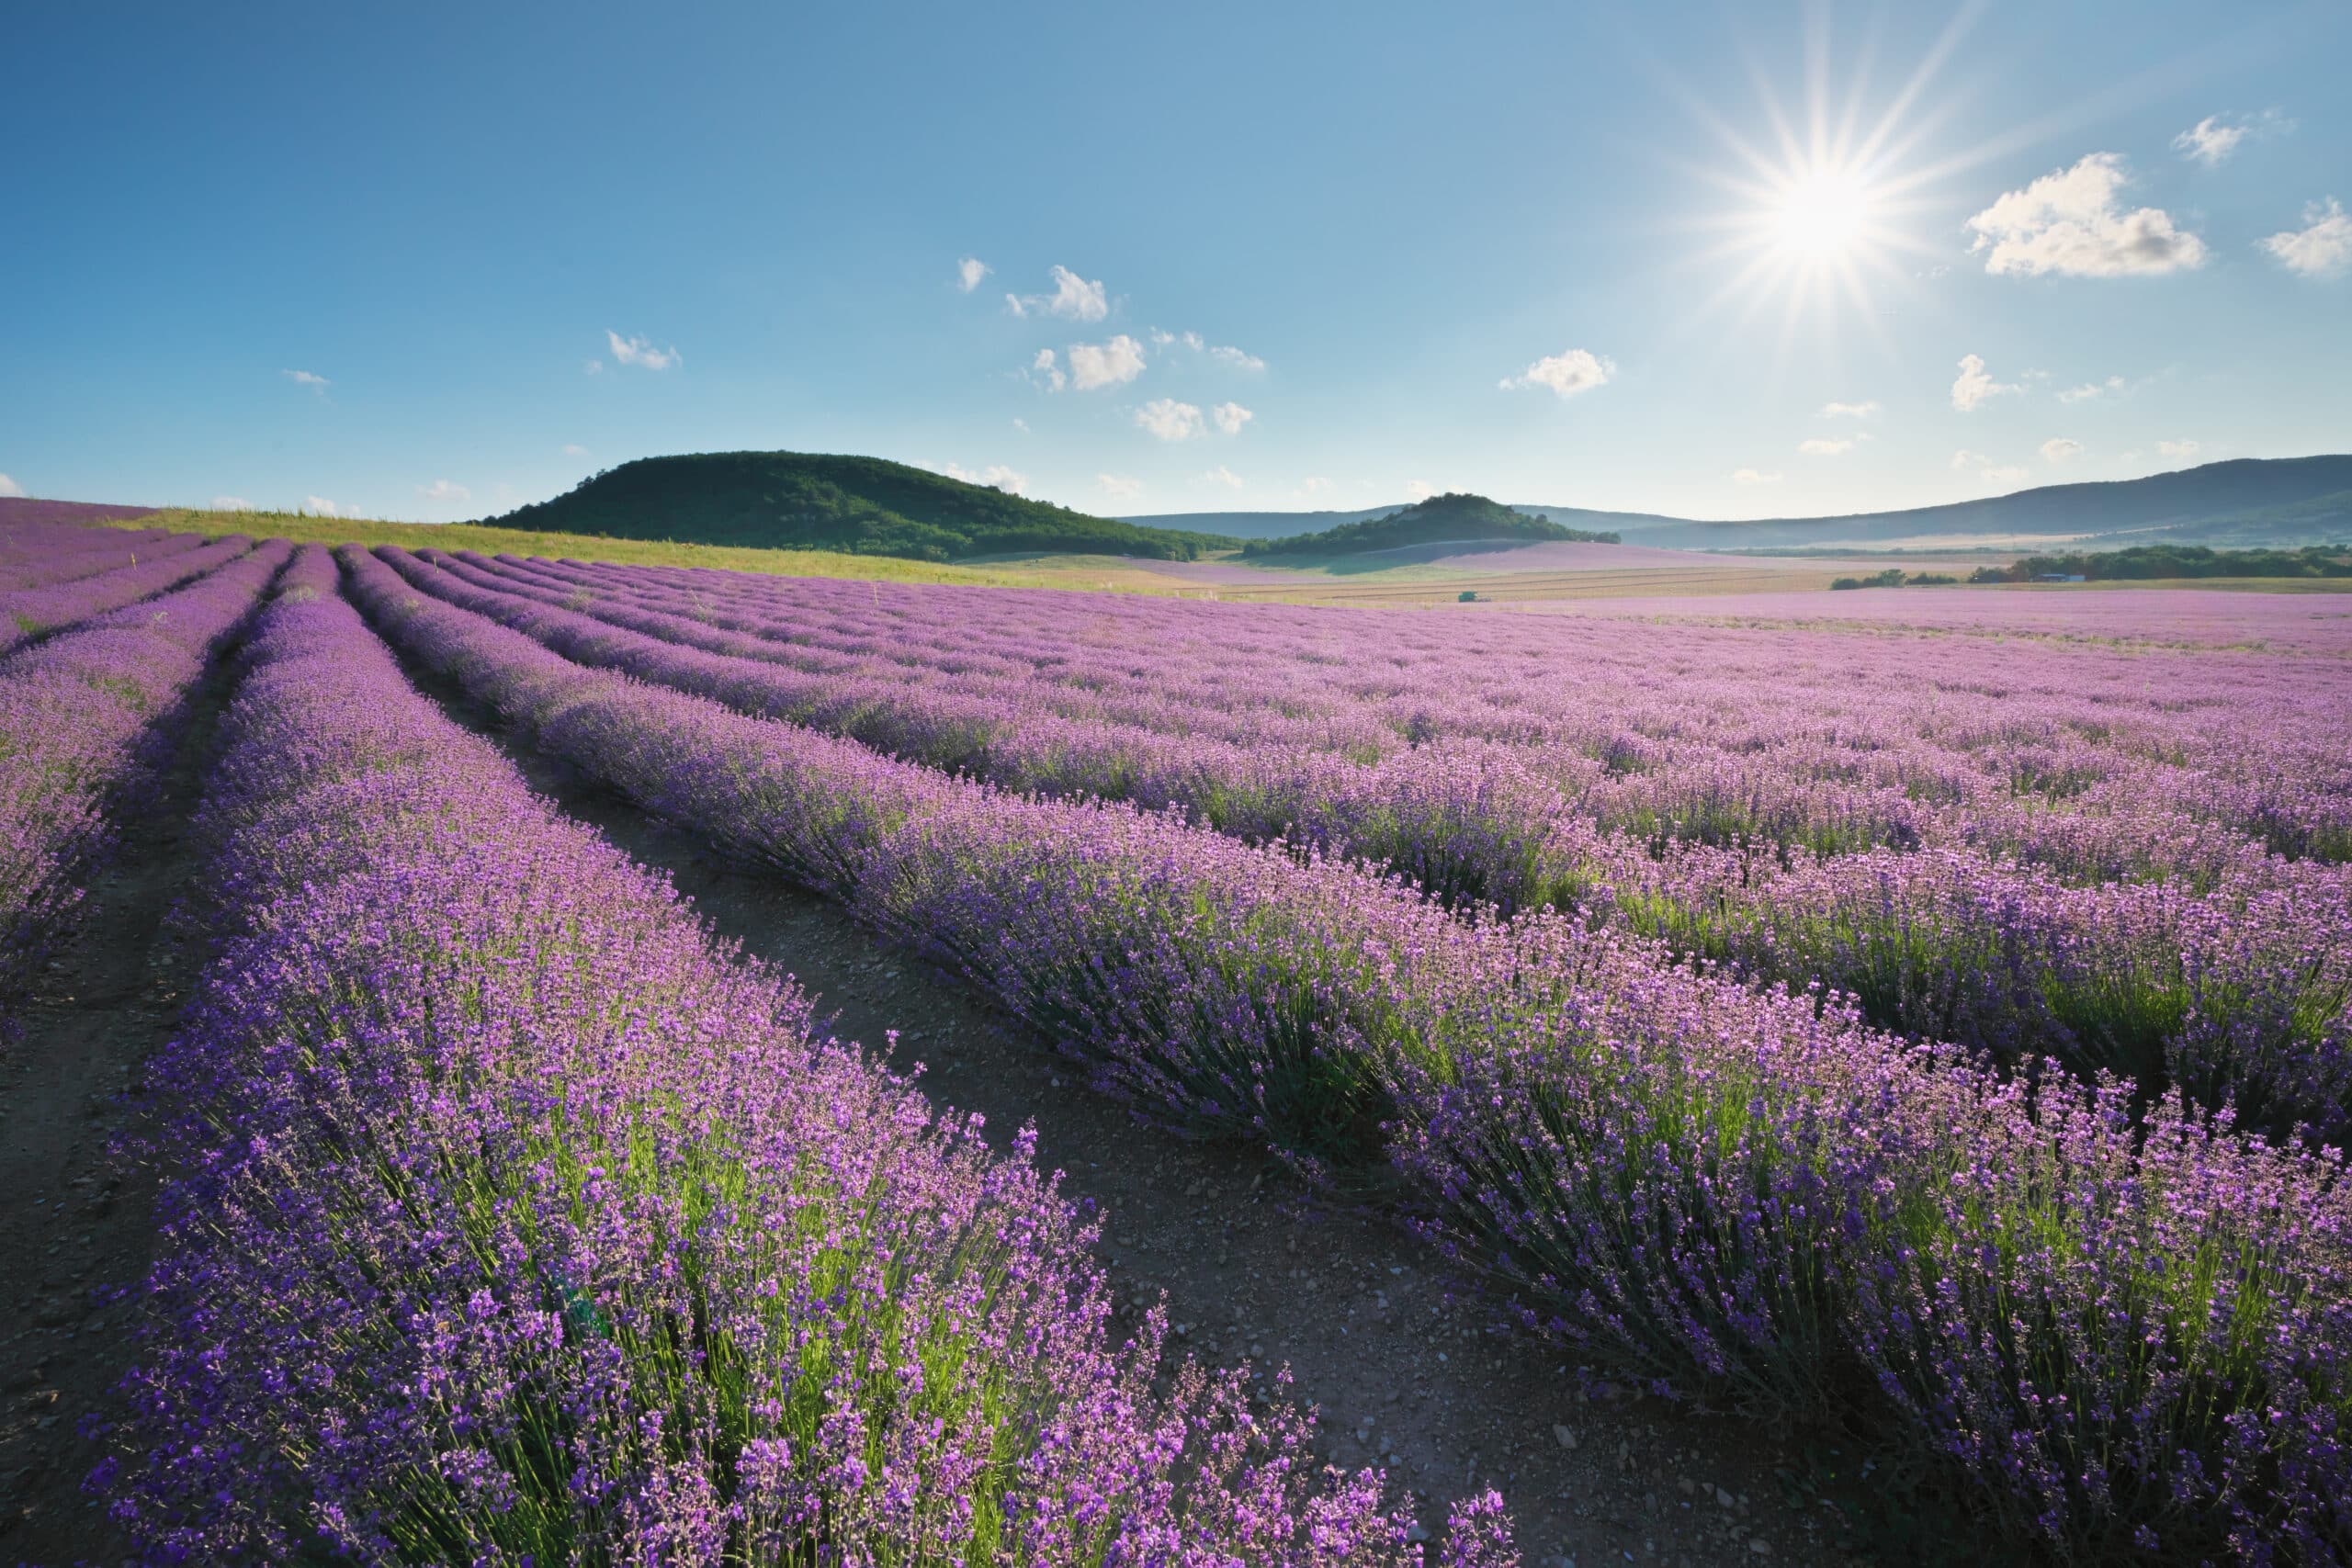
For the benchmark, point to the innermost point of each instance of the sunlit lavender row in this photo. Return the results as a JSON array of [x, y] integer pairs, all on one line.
[[2123, 1317], [2026, 849]]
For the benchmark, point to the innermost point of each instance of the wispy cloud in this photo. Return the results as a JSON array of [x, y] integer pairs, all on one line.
[[231, 503], [1221, 475], [1826, 447], [1315, 484], [1754, 477], [1964, 459], [319, 504], [996, 476], [317, 383], [2007, 475], [2212, 139], [1047, 372], [444, 491], [1112, 364], [1119, 486], [1227, 355], [2072, 222], [1419, 489], [10, 486], [1073, 299], [2177, 449], [1975, 385], [2322, 247], [1577, 370], [641, 353], [2091, 390], [573, 449], [1231, 417], [968, 273], [1850, 410], [1169, 420], [2061, 450]]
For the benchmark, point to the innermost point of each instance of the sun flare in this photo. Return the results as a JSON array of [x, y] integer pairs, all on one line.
[[1822, 213]]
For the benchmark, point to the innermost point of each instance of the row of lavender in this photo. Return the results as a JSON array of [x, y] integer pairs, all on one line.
[[2239, 992], [30, 613], [37, 555], [2130, 1331], [521, 1222], [1809, 740], [82, 716]]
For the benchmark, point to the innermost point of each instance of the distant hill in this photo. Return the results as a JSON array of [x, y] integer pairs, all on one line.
[[1441, 519], [25, 511], [861, 505], [2286, 501]]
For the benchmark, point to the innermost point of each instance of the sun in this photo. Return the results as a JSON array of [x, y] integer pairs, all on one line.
[[1821, 213]]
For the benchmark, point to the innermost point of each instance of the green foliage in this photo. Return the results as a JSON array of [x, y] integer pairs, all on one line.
[[858, 505], [2149, 561], [1441, 519], [1891, 578]]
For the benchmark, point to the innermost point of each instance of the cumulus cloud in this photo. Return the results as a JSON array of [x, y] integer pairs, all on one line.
[[1753, 476], [2061, 450], [1169, 420], [1822, 447], [305, 378], [1577, 370], [10, 486], [2322, 247], [1112, 364], [1231, 417], [443, 490], [2177, 449], [2090, 389], [996, 475], [1850, 410], [1045, 372], [1073, 299], [1119, 486], [231, 503], [319, 504], [2072, 223], [641, 352], [1976, 384], [2210, 141], [968, 273], [1221, 475]]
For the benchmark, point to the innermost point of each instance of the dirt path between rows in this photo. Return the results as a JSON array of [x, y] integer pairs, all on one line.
[[1406, 1373], [77, 1225]]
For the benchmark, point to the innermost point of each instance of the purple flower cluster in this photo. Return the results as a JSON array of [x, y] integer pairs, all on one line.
[[2129, 1327], [40, 553], [33, 612], [81, 715], [519, 1222], [2084, 913]]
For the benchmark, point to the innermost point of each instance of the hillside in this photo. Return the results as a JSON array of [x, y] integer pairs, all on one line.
[[1441, 519], [2247, 500], [799, 501]]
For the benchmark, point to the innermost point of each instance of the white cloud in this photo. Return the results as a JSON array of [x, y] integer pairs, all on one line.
[[1822, 447], [1577, 370], [2007, 476], [573, 449], [1314, 484], [10, 486], [1221, 475], [319, 504], [995, 475], [1020, 425], [1119, 486], [1231, 417], [2090, 389], [2210, 141], [1975, 385], [593, 367], [640, 351], [1073, 299], [1111, 363], [1227, 355], [2177, 449], [1753, 476], [443, 490], [1964, 459], [2322, 247], [231, 503], [305, 378], [2070, 222], [968, 273], [1850, 410], [1233, 358], [1419, 489], [1169, 420], [1044, 370], [2061, 450]]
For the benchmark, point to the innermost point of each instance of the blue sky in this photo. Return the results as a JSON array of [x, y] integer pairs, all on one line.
[[1281, 256]]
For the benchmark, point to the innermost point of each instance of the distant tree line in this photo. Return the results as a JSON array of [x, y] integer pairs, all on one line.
[[2146, 561]]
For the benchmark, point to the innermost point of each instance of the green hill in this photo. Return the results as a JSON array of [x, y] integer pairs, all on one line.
[[1441, 519], [801, 500]]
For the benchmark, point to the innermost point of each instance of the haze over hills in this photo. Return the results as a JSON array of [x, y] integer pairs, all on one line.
[[1441, 519], [2246, 501]]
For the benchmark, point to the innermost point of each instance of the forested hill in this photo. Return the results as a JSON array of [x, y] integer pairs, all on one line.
[[861, 505], [1441, 519]]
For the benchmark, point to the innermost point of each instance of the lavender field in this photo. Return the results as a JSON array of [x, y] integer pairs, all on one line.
[[1924, 1020]]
